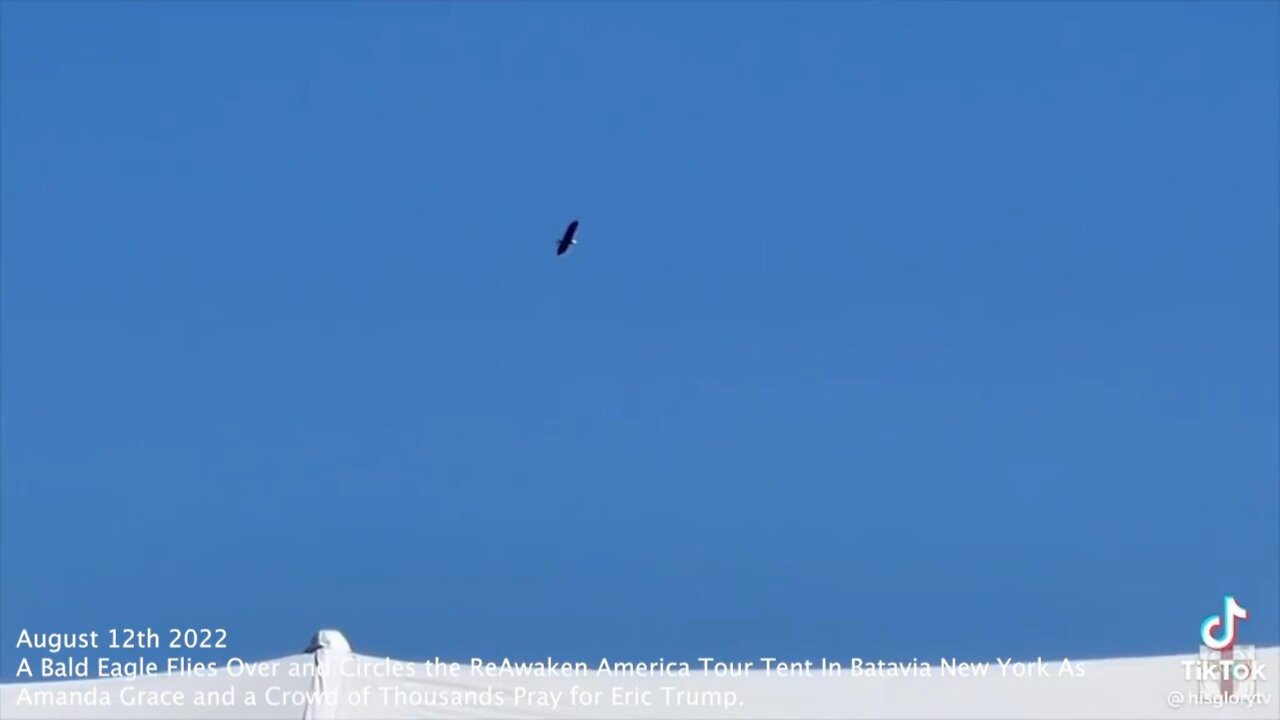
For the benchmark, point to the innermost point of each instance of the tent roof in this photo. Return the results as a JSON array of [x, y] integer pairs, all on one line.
[[328, 680]]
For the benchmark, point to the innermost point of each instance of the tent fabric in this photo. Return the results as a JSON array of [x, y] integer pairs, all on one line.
[[329, 681]]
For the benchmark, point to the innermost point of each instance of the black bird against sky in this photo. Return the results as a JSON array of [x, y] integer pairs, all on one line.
[[562, 246]]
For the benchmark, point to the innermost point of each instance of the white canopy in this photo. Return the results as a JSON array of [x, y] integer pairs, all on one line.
[[330, 681]]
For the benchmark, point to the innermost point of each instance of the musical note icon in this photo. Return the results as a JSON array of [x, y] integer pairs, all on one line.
[[1231, 611]]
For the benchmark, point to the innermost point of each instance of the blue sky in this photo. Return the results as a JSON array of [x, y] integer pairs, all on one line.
[[894, 330]]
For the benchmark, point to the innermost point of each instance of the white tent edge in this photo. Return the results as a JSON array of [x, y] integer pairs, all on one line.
[[329, 680]]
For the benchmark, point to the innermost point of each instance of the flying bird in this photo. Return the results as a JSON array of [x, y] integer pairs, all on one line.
[[562, 246]]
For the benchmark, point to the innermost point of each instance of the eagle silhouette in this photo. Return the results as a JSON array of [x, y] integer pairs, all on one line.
[[565, 242]]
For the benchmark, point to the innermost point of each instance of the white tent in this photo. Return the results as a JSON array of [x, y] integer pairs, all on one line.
[[331, 681]]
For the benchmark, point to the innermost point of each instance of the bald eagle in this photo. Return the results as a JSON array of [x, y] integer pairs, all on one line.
[[562, 246]]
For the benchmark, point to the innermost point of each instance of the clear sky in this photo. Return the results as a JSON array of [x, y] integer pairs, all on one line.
[[894, 330]]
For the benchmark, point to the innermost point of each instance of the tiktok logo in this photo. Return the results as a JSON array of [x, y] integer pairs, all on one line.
[[1226, 622]]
